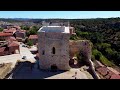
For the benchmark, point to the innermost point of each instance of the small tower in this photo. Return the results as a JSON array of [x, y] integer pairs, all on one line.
[[68, 24]]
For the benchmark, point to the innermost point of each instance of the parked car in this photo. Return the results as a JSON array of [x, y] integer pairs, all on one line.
[[24, 57]]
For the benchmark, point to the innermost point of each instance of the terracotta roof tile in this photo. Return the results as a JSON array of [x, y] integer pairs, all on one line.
[[115, 76], [11, 30], [12, 44], [5, 34], [102, 70], [11, 39], [2, 49], [107, 73], [21, 31], [33, 37]]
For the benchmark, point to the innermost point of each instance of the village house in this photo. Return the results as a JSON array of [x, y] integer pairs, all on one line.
[[72, 31], [33, 38], [11, 30], [4, 36], [13, 47], [20, 35], [2, 51], [17, 27], [9, 26], [9, 48], [10, 39]]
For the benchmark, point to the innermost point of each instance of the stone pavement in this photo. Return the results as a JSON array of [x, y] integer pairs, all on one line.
[[70, 75], [24, 51], [27, 73], [10, 58]]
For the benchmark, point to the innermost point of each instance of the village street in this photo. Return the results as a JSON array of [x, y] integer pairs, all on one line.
[[24, 51]]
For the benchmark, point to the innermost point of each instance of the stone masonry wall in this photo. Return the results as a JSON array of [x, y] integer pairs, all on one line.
[[49, 40], [80, 45]]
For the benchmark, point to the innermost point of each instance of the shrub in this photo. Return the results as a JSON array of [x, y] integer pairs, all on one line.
[[73, 37], [81, 57], [93, 58], [99, 56], [105, 61], [1, 29], [96, 54], [30, 43]]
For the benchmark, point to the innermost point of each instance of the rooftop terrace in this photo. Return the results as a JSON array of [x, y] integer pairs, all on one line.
[[57, 29]]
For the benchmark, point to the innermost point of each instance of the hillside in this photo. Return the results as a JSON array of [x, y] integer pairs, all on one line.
[[105, 36]]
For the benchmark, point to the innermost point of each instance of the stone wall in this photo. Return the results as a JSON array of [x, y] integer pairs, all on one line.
[[80, 45], [46, 42], [13, 49]]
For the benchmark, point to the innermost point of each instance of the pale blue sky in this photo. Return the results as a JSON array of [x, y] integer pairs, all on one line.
[[59, 14]]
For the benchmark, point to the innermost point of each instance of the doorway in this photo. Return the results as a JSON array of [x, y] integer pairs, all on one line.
[[54, 68]]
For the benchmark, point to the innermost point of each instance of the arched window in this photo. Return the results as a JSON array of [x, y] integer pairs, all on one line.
[[43, 52], [53, 50]]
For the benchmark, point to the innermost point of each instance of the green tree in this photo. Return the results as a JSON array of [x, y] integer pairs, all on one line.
[[105, 45], [1, 29], [102, 46], [33, 30], [25, 27], [73, 37], [105, 61], [97, 54], [30, 43], [109, 52]]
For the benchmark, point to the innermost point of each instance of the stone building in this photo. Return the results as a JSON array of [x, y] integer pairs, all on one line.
[[53, 47], [20, 35], [4, 36]]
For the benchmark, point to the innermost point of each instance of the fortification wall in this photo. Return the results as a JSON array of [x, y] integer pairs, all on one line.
[[80, 45]]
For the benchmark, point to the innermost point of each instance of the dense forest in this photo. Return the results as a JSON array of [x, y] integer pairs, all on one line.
[[104, 35]]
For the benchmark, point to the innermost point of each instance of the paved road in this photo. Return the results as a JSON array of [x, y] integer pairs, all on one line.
[[24, 51], [14, 57], [10, 58]]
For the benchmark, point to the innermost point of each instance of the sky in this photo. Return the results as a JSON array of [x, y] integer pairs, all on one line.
[[59, 14]]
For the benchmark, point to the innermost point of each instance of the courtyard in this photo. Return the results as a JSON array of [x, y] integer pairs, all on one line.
[[25, 72]]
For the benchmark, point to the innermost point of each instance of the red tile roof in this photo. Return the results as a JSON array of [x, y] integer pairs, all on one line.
[[11, 30], [11, 39], [33, 37], [5, 29], [21, 31], [2, 49], [5, 34], [18, 27], [12, 44], [115, 76], [102, 70]]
